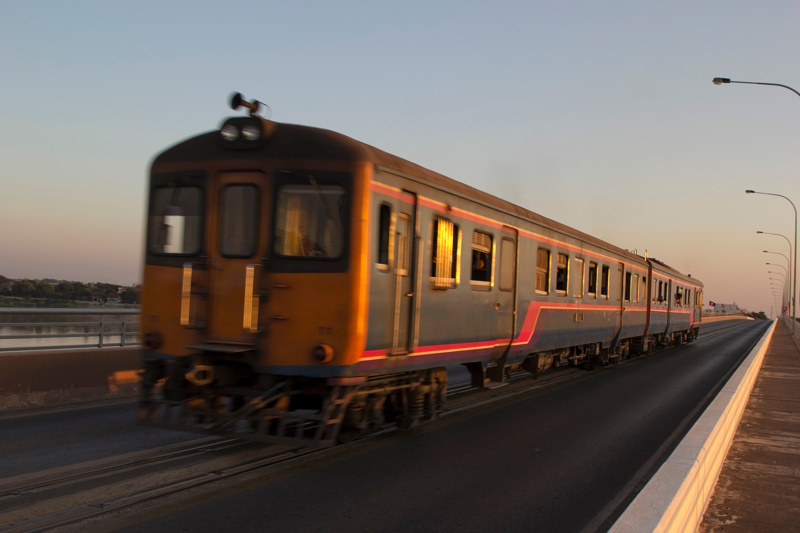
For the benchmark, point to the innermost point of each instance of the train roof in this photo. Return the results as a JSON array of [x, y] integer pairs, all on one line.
[[663, 267], [292, 141]]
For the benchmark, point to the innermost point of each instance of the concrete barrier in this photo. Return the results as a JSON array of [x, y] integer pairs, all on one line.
[[719, 318], [60, 377], [677, 495]]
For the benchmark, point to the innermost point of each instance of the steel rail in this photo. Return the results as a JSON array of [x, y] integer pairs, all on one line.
[[208, 445]]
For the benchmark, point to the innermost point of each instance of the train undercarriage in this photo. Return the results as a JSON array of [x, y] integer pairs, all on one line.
[[310, 412], [296, 411], [593, 355]]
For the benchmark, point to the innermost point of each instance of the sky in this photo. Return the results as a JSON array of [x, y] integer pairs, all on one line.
[[600, 115]]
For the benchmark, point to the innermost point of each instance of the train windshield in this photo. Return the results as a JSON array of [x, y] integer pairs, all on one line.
[[175, 221], [309, 221]]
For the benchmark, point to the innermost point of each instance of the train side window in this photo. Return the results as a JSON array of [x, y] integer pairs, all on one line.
[[508, 262], [399, 250], [592, 289], [542, 271], [605, 281], [660, 291], [384, 236], [562, 273], [577, 274], [679, 297], [481, 257], [628, 282], [444, 254], [635, 288]]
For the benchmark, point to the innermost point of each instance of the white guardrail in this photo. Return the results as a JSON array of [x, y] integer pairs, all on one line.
[[676, 497], [50, 329]]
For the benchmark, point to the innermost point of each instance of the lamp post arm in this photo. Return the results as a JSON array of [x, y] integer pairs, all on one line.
[[784, 237], [788, 261], [764, 83]]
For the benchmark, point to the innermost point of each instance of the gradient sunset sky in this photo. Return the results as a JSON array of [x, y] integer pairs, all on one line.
[[600, 115]]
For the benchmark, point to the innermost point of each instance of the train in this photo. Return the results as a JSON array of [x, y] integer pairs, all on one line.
[[301, 287]]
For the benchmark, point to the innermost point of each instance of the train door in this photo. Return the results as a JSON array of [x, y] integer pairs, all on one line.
[[403, 283], [577, 286], [649, 297], [624, 293], [668, 300], [506, 302], [621, 303], [237, 227]]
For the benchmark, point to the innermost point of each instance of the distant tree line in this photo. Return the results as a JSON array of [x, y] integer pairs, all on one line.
[[69, 291]]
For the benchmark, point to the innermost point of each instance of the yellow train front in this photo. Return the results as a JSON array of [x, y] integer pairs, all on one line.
[[254, 298]]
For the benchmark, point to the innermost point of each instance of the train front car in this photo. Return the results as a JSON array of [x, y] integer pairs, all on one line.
[[254, 300]]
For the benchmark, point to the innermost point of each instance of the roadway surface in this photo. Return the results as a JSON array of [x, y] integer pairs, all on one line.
[[566, 457], [45, 441]]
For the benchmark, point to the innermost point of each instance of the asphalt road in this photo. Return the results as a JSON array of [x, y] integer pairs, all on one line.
[[562, 459], [38, 442]]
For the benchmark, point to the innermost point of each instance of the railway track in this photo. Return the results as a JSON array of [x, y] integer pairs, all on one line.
[[44, 501]]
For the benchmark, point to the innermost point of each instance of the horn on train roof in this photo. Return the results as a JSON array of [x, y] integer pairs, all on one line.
[[237, 101]]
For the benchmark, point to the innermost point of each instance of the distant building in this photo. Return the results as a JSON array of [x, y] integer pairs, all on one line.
[[724, 308]]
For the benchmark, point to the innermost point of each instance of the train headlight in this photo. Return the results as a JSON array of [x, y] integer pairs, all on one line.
[[251, 132], [244, 133], [229, 132], [322, 353]]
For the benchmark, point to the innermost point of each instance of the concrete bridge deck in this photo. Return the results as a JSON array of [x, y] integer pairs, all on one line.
[[759, 486]]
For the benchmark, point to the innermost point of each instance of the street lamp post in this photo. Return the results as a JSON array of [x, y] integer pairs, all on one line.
[[784, 237], [788, 266], [786, 278], [793, 285], [780, 284], [779, 294], [721, 81], [724, 81]]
